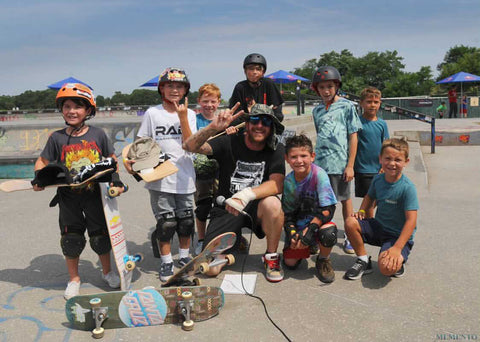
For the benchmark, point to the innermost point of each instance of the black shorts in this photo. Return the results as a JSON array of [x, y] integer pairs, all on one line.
[[221, 221], [81, 210], [362, 183]]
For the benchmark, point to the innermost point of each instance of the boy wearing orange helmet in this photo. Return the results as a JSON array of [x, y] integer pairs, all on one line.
[[74, 147]]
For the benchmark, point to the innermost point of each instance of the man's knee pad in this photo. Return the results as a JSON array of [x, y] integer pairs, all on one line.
[[72, 244], [186, 223], [100, 243], [328, 236], [203, 208], [164, 231]]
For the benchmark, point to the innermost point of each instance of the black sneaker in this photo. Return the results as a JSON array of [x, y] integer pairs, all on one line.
[[183, 261], [400, 273], [359, 268], [166, 271]]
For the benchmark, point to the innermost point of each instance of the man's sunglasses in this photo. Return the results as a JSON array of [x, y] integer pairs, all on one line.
[[266, 120]]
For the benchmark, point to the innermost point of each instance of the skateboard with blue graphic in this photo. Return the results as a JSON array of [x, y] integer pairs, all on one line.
[[139, 308]]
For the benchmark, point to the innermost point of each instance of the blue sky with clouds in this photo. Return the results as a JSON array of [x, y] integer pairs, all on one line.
[[116, 45]]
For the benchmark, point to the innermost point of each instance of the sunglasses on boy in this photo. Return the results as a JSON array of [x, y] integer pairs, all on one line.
[[265, 120]]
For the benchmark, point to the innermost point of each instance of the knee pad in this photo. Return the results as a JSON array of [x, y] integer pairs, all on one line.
[[164, 231], [100, 243], [203, 209], [72, 244], [328, 236], [186, 223]]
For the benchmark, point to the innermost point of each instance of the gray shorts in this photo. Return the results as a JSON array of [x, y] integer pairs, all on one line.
[[164, 202], [340, 187]]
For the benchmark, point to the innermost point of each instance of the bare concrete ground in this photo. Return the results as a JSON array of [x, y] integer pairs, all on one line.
[[438, 297]]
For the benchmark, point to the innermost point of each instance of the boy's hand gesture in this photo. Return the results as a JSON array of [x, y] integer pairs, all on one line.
[[225, 118], [182, 109]]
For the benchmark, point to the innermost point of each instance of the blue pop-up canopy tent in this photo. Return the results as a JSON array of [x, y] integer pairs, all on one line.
[[460, 77], [59, 84], [282, 77], [151, 83]]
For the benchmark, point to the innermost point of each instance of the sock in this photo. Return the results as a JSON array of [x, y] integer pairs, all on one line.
[[363, 258], [167, 258], [183, 253]]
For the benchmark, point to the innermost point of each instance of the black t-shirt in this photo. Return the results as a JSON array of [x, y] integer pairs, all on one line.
[[266, 93], [241, 167]]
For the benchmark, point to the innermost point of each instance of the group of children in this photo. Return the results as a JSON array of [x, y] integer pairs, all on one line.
[[347, 147]]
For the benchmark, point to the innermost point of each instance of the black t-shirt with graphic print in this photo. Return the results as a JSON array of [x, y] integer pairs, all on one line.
[[240, 167]]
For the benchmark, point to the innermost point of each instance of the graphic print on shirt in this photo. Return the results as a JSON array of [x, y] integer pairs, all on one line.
[[246, 175], [77, 155], [166, 132]]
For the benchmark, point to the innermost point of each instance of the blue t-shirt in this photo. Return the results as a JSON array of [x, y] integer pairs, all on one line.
[[334, 127], [202, 121], [302, 199], [370, 140], [393, 199]]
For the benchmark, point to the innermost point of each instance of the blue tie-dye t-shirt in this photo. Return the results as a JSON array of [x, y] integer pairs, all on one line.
[[302, 199], [334, 126]]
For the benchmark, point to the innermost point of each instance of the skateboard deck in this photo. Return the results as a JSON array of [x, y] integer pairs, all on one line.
[[24, 184], [163, 170], [149, 306], [210, 261], [125, 262]]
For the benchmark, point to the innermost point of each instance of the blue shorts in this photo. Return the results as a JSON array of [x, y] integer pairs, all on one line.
[[373, 234]]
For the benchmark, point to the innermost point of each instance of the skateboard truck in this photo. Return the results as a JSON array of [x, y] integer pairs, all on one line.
[[186, 306], [99, 315], [131, 260]]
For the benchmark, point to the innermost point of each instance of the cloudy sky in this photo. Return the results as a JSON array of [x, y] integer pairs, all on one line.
[[116, 45]]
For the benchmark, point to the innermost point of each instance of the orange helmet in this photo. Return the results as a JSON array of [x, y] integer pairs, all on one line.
[[77, 91]]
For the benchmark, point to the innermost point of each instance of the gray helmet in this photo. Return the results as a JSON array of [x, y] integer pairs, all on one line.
[[255, 58], [326, 73]]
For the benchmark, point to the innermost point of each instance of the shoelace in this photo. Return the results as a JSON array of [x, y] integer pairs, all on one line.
[[358, 264], [166, 267], [274, 264]]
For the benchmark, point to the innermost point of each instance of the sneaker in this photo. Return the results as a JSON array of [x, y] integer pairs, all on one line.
[[400, 273], [112, 279], [72, 290], [324, 270], [273, 270], [359, 268], [198, 248], [183, 261], [166, 271], [347, 247]]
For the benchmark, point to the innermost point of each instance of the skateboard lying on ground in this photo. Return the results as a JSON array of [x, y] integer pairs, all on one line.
[[150, 306], [125, 262], [210, 261], [162, 170], [24, 184]]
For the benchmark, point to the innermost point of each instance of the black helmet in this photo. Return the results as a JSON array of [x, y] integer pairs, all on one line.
[[173, 75], [255, 58], [326, 73]]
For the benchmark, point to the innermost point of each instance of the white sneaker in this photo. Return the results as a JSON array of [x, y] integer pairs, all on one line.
[[112, 279], [72, 290]]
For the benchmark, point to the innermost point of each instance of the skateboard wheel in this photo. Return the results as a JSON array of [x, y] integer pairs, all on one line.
[[230, 259], [187, 295], [112, 192], [139, 257], [95, 302], [98, 332], [204, 268], [130, 265], [196, 282], [188, 325]]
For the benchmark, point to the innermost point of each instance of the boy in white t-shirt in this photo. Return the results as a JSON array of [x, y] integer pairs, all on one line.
[[171, 198]]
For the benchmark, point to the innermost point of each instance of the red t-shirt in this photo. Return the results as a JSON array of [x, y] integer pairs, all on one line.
[[452, 96]]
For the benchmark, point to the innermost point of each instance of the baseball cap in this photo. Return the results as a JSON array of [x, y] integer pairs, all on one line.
[[145, 152]]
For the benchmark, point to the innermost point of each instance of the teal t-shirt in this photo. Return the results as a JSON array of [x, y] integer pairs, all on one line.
[[370, 140], [393, 199], [334, 127], [202, 121]]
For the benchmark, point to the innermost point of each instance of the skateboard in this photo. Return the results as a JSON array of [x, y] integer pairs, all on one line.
[[149, 306], [125, 262], [23, 184], [209, 262], [162, 170]]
